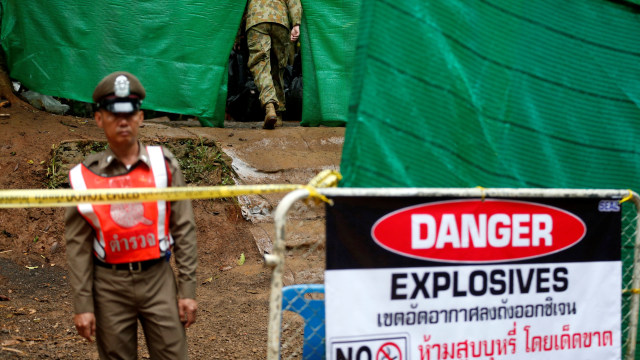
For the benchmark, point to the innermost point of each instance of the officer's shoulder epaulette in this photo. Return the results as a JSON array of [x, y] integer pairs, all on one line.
[[92, 159]]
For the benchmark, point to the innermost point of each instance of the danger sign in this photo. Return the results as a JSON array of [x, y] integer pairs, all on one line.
[[472, 230], [499, 278]]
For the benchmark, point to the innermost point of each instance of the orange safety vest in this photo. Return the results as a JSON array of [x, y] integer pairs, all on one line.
[[128, 232]]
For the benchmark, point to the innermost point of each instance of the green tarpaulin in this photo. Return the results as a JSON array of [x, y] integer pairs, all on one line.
[[178, 49], [491, 93], [495, 94], [438, 93], [329, 31]]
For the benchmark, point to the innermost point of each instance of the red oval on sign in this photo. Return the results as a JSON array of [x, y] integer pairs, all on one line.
[[478, 231]]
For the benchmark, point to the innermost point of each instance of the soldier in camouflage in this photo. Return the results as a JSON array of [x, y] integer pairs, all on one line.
[[272, 28]]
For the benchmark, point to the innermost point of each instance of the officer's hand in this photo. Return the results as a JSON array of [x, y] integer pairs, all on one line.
[[295, 33], [86, 325], [187, 309]]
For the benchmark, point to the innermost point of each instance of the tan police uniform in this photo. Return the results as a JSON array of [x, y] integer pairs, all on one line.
[[269, 23], [119, 295]]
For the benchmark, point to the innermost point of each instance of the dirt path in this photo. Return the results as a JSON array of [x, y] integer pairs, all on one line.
[[35, 302]]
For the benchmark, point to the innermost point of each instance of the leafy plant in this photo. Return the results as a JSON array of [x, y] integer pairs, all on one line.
[[53, 177], [202, 162], [95, 147]]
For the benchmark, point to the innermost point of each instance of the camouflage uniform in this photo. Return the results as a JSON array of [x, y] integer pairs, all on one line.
[[269, 23]]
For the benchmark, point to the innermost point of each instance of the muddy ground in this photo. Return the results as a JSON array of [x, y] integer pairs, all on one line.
[[35, 300]]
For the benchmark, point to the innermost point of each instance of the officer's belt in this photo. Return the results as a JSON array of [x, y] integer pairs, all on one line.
[[133, 266]]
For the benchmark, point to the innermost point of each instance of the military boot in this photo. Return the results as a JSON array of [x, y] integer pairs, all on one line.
[[270, 118], [279, 121]]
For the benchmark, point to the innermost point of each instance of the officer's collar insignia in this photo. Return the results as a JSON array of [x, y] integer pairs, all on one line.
[[121, 86]]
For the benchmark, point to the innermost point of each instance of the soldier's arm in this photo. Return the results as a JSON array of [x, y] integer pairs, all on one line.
[[295, 12]]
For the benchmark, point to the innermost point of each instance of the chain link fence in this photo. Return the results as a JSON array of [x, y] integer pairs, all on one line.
[[298, 331], [630, 279]]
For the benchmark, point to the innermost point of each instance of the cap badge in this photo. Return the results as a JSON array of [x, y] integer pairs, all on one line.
[[121, 86]]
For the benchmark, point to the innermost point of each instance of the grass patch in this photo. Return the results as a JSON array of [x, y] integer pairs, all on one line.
[[54, 177], [201, 161], [66, 155]]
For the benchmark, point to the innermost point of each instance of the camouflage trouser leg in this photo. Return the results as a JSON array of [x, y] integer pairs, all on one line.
[[268, 50]]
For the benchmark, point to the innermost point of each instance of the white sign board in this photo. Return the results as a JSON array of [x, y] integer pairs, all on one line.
[[472, 279]]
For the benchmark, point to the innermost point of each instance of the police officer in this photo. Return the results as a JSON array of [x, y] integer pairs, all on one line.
[[272, 26], [119, 254]]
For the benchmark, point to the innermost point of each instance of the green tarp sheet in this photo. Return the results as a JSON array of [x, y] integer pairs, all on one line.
[[63, 48], [329, 33], [178, 49], [491, 93], [496, 93]]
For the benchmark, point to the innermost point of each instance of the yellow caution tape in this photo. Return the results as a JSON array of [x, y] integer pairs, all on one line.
[[326, 178], [481, 192], [315, 195], [626, 198], [62, 198]]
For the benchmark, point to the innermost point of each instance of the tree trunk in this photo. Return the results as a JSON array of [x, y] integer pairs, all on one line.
[[6, 88]]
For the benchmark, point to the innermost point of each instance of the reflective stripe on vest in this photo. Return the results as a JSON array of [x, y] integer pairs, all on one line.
[[133, 231], [156, 158], [86, 210]]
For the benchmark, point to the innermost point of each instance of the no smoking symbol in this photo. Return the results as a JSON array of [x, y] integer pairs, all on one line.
[[389, 351]]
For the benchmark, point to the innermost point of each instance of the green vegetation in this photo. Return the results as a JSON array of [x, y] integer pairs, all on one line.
[[201, 161], [94, 147], [53, 178], [66, 155]]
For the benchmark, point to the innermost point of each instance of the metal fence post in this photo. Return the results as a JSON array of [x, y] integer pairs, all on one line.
[[635, 296], [276, 261]]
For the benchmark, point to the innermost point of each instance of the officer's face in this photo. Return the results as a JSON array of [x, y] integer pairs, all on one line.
[[121, 129]]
